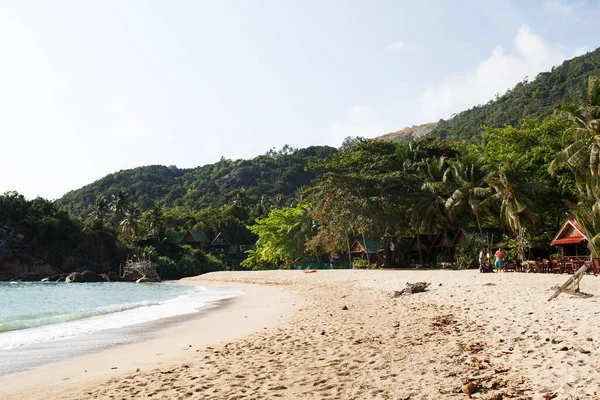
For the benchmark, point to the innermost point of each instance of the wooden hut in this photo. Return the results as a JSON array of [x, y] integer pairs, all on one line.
[[196, 239], [419, 249], [463, 235], [359, 249], [571, 239], [442, 246], [220, 245]]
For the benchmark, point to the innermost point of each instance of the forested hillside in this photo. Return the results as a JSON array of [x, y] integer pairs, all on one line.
[[273, 176], [536, 99]]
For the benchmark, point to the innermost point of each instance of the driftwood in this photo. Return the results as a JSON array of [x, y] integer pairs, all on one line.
[[412, 288], [571, 286], [139, 269]]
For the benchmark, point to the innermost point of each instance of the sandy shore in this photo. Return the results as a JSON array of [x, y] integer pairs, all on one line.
[[172, 345], [348, 337]]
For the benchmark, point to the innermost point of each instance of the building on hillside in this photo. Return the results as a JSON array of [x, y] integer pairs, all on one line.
[[220, 245], [571, 239], [196, 239]]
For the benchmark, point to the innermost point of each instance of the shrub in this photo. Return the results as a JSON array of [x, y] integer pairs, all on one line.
[[467, 254]]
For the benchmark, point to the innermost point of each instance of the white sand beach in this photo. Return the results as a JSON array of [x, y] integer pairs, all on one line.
[[343, 335]]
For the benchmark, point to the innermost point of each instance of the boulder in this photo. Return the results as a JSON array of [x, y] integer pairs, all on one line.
[[112, 276], [73, 277], [90, 276]]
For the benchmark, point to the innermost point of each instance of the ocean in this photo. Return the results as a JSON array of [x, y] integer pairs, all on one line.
[[37, 318]]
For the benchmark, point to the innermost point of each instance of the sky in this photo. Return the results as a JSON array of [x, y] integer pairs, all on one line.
[[90, 88]]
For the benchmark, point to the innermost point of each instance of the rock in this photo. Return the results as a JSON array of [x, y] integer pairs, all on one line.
[[345, 308], [73, 277], [90, 276], [469, 388], [112, 276]]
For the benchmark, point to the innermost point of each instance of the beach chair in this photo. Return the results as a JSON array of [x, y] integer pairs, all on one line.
[[556, 267], [568, 267], [546, 266], [510, 267]]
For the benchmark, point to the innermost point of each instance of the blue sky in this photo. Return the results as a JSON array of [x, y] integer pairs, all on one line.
[[89, 88]]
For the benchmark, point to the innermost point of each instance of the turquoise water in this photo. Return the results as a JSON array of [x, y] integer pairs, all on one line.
[[35, 312]]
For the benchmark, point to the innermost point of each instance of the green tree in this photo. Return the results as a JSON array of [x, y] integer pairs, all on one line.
[[131, 219], [282, 238], [582, 153], [100, 211], [512, 195], [469, 177]]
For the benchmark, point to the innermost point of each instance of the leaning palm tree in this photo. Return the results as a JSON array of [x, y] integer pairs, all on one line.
[[512, 195], [469, 177], [582, 138]]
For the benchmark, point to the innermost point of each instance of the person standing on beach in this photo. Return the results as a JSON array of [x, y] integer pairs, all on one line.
[[482, 260], [499, 259]]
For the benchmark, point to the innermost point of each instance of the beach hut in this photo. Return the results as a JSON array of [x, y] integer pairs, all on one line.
[[360, 248], [196, 239], [401, 253], [571, 239], [442, 246], [220, 245], [418, 249], [491, 235]]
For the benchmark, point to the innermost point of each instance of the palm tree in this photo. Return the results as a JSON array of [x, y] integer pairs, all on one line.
[[512, 195], [471, 189], [155, 221], [100, 210], [118, 204], [131, 218], [582, 154], [429, 210]]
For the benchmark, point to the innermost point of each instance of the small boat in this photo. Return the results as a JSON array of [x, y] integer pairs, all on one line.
[[309, 271]]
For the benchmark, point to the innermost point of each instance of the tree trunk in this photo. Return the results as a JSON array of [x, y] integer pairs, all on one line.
[[366, 250], [349, 250], [478, 218]]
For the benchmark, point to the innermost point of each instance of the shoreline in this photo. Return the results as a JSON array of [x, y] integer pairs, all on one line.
[[344, 334], [163, 342]]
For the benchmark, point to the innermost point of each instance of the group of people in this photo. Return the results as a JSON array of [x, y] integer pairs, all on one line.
[[498, 263]]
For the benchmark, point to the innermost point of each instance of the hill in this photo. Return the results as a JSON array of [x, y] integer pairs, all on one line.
[[536, 99], [274, 176], [408, 134]]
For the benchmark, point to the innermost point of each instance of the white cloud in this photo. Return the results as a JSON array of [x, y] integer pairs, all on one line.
[[496, 74]]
